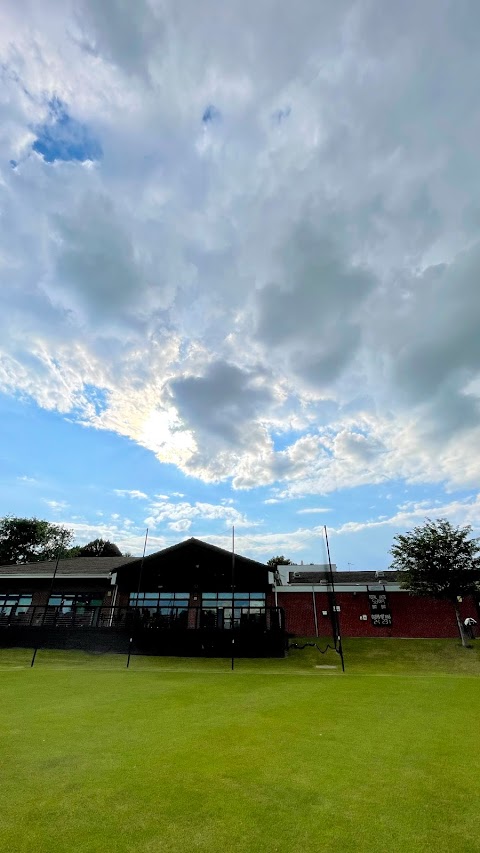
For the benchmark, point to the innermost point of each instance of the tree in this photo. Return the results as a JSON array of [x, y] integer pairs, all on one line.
[[279, 561], [29, 540], [100, 548], [72, 552], [439, 560]]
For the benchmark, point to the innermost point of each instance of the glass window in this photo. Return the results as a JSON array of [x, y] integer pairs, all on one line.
[[69, 600], [165, 600], [144, 599], [12, 602], [241, 599]]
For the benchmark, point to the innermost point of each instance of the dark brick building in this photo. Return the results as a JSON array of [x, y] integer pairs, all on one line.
[[190, 599], [369, 604], [194, 599]]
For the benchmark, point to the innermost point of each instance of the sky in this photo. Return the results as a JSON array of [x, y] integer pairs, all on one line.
[[239, 271]]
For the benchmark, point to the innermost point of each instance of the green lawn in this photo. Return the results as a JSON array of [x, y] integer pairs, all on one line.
[[179, 755]]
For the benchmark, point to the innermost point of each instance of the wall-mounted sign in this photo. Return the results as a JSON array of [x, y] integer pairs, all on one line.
[[379, 609]]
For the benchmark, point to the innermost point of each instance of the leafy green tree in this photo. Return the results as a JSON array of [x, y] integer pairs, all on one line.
[[279, 561], [72, 552], [100, 548], [440, 561], [29, 540]]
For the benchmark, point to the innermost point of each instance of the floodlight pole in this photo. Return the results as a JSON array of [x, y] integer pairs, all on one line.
[[45, 608], [233, 597], [138, 593], [314, 610], [335, 620]]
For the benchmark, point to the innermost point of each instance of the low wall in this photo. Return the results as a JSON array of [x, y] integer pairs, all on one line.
[[184, 643]]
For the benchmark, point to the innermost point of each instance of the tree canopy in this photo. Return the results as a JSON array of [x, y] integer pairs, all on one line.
[[29, 540], [279, 561], [440, 561], [100, 548]]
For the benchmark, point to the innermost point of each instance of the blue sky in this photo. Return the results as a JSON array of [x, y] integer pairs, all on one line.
[[240, 286]]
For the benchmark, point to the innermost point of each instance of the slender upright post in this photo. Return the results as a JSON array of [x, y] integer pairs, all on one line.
[[45, 608], [315, 610], [335, 619], [138, 593], [233, 598]]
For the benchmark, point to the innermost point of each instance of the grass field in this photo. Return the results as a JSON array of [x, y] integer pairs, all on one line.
[[179, 755]]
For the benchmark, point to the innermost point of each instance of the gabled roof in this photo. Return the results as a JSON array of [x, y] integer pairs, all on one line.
[[201, 544], [75, 567]]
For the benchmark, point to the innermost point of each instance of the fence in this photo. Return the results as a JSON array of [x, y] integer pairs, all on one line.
[[244, 619]]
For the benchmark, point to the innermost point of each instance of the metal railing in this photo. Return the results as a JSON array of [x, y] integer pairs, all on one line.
[[144, 618]]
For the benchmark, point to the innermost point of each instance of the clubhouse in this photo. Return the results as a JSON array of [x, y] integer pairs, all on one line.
[[195, 599]]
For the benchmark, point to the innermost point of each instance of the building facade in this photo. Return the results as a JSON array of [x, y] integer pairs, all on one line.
[[190, 599], [197, 599], [369, 604]]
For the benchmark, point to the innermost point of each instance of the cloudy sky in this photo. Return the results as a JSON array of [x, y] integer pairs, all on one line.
[[239, 270]]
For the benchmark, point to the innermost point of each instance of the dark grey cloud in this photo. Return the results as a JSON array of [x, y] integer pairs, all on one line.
[[222, 403], [127, 36], [312, 315], [96, 266], [430, 328]]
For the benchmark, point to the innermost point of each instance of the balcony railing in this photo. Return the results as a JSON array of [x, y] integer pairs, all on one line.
[[145, 619]]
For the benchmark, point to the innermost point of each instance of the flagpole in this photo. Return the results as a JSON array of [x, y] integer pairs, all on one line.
[[335, 620], [233, 598], [138, 593], [48, 599]]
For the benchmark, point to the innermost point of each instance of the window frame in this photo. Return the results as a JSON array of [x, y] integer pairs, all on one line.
[[12, 601]]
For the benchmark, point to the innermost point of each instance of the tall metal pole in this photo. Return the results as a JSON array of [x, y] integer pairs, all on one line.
[[335, 619], [315, 610], [233, 598], [45, 608], [138, 593]]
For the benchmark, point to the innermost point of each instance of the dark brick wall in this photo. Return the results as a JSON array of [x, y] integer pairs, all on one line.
[[411, 616]]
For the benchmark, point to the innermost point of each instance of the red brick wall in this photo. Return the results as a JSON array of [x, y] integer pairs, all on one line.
[[411, 616]]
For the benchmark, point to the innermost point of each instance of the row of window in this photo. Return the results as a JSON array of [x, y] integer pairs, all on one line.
[[154, 599], [20, 602], [210, 600], [77, 600]]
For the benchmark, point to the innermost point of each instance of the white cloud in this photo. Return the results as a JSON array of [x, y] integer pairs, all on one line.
[[306, 262], [183, 524], [117, 531], [181, 514], [56, 505], [130, 493], [313, 510], [460, 512]]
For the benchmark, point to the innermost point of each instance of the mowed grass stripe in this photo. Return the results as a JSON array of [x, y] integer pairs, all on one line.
[[362, 656], [151, 760]]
